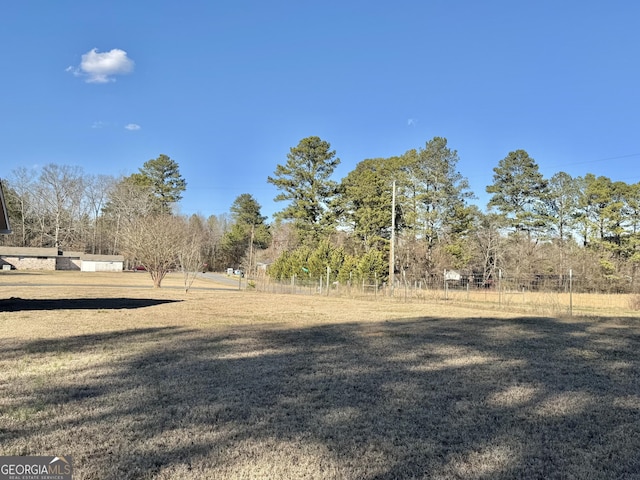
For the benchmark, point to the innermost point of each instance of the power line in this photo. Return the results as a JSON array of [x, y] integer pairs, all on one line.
[[606, 159]]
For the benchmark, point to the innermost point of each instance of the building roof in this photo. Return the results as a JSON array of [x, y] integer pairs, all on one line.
[[28, 252], [71, 254], [88, 257]]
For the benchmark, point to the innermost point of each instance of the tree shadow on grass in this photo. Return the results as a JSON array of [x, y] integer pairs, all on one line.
[[16, 304], [79, 344], [422, 398]]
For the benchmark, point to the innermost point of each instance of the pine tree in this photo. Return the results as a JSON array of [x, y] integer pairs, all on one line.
[[519, 191], [305, 181]]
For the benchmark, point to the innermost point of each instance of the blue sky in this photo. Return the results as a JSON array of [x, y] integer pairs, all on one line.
[[226, 88]]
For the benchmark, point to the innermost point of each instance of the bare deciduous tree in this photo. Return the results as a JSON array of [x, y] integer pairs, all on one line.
[[190, 256], [216, 226], [127, 202], [162, 243], [155, 242], [97, 192], [60, 191], [22, 181], [488, 246]]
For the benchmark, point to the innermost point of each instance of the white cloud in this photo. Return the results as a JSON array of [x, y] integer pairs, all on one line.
[[99, 67], [132, 126]]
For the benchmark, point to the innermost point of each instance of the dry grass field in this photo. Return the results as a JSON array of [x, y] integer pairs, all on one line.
[[225, 384]]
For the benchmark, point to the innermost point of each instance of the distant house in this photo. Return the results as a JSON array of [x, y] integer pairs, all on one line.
[[26, 258], [452, 275], [101, 263]]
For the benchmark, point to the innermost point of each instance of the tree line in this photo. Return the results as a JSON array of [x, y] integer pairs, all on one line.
[[532, 224]]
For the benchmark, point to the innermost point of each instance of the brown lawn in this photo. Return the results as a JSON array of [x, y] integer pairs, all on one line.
[[141, 383]]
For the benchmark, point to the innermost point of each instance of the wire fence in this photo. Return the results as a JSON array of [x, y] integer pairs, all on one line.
[[535, 293]]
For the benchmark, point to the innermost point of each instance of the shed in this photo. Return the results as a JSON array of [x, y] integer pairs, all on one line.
[[101, 263], [452, 275]]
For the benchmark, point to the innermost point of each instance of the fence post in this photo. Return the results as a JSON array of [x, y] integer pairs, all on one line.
[[499, 286], [404, 279], [570, 293], [446, 293], [328, 278], [375, 279]]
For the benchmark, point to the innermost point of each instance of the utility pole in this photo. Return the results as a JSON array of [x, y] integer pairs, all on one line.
[[251, 250], [393, 240]]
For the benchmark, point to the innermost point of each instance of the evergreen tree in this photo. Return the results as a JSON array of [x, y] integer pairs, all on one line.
[[162, 177], [365, 200], [305, 181], [440, 190], [248, 231], [561, 203], [519, 191], [432, 196]]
